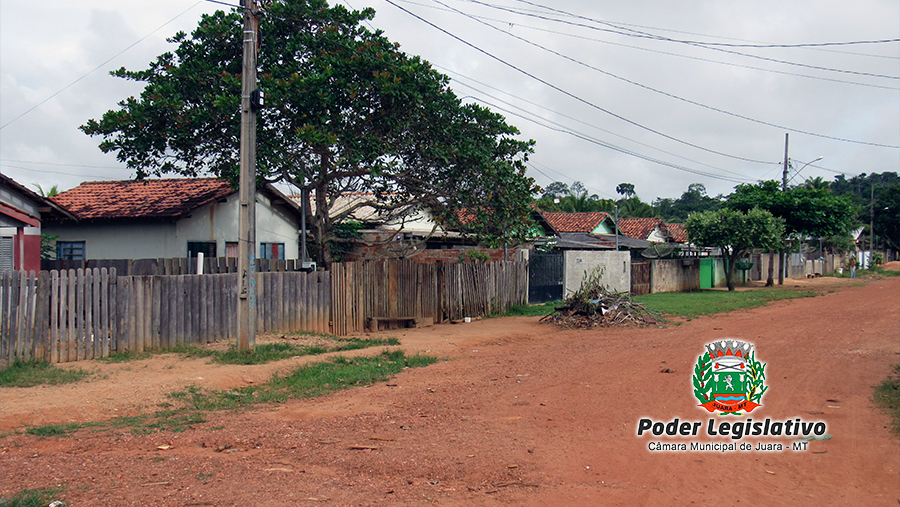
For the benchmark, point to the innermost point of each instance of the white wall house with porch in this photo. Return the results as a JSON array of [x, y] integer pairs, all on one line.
[[169, 218]]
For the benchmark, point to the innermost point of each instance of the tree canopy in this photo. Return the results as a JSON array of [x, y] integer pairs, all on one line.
[[346, 111], [735, 233], [806, 211]]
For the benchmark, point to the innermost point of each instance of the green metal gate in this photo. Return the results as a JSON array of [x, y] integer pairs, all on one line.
[[706, 273]]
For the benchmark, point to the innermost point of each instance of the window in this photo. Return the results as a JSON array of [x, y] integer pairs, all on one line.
[[207, 248], [70, 250], [6, 253], [231, 249], [271, 251]]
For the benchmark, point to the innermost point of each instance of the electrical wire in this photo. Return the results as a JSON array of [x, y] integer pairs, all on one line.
[[573, 119], [613, 147], [661, 92], [804, 45], [629, 32], [667, 53], [569, 94], [39, 104]]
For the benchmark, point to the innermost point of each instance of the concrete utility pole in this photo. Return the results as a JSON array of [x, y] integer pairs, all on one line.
[[872, 230], [247, 227], [784, 181]]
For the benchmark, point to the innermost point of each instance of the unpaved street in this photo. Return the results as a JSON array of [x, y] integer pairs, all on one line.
[[517, 413]]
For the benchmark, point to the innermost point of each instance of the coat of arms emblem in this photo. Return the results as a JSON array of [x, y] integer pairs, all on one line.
[[728, 378]]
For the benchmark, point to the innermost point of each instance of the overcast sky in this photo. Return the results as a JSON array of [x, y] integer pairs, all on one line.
[[656, 93]]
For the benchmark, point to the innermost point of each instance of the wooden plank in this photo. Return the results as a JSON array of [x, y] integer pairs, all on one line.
[[97, 320], [174, 310], [300, 304], [140, 324], [15, 316], [203, 309], [5, 288], [192, 287], [41, 350], [69, 347], [113, 309], [312, 302], [88, 317], [54, 316], [79, 314], [326, 299], [184, 311], [28, 317], [104, 312], [162, 325], [283, 293], [123, 331], [290, 304], [150, 323]]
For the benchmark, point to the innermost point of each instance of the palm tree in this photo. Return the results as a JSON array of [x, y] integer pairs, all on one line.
[[49, 193], [817, 183]]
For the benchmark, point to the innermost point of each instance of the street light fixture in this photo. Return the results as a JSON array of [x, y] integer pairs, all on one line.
[[804, 166]]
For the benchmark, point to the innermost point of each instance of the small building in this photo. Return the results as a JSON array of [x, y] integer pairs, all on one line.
[[169, 218], [21, 214]]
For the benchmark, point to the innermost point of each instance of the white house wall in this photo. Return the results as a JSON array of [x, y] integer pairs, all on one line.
[[616, 268], [215, 222]]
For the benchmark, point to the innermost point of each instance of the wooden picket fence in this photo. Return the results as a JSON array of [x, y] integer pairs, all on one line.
[[437, 291], [57, 316], [72, 315], [170, 266]]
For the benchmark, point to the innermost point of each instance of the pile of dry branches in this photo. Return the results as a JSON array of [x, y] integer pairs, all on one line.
[[594, 305]]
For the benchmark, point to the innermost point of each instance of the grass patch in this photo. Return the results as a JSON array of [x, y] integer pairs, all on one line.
[[269, 352], [709, 302], [307, 381], [124, 357], [531, 310], [876, 270], [30, 498], [887, 396], [187, 407], [33, 372]]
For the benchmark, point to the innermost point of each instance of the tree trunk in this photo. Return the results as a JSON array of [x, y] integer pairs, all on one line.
[[322, 218], [781, 257], [730, 261], [770, 280]]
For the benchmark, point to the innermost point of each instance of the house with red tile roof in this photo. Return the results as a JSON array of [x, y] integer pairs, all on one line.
[[654, 230], [676, 233], [167, 218], [597, 222], [21, 215]]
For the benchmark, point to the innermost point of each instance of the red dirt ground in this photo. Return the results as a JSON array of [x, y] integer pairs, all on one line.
[[519, 413]]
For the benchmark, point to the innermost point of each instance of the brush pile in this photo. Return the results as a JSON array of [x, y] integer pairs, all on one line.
[[593, 305]]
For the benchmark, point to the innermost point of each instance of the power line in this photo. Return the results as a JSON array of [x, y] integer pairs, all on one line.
[[576, 120], [661, 92], [62, 165], [569, 94], [39, 104], [804, 45], [629, 32], [619, 149], [667, 53]]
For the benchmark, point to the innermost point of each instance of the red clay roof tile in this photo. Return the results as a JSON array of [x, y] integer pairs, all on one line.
[[155, 199], [575, 222], [677, 233], [638, 228]]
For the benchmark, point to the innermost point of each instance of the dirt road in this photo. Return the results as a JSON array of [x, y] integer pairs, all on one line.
[[519, 413]]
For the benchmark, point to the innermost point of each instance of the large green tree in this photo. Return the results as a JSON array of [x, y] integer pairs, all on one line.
[[346, 111], [692, 200], [735, 233], [807, 212]]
